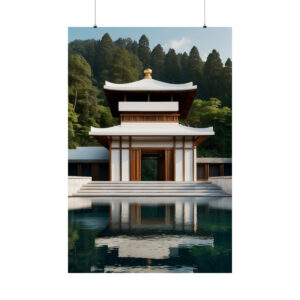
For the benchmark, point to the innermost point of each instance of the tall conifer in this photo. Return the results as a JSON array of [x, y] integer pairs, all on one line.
[[195, 68], [103, 58], [184, 58], [212, 75], [226, 83], [144, 51], [121, 70], [157, 62]]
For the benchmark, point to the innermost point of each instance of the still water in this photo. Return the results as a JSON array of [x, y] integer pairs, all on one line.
[[182, 235]]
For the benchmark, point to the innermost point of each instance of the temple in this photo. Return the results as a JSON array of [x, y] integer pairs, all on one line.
[[149, 112]]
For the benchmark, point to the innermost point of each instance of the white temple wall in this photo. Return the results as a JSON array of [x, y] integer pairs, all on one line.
[[179, 165], [115, 165], [188, 165], [195, 165], [125, 142], [152, 142], [125, 165], [115, 142], [184, 160]]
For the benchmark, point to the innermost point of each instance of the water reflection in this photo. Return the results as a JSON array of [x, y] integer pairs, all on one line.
[[151, 235]]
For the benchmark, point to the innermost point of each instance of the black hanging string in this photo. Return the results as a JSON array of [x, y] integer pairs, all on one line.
[[95, 8], [204, 14]]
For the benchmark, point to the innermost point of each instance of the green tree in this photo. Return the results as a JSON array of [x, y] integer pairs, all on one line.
[[80, 74], [137, 66], [104, 117], [211, 113], [212, 75], [132, 47], [195, 67], [226, 82], [157, 62], [83, 95], [172, 67], [184, 58], [73, 127], [121, 70], [104, 58], [144, 51], [120, 43]]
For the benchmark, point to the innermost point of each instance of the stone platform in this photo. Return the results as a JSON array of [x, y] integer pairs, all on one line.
[[150, 189]]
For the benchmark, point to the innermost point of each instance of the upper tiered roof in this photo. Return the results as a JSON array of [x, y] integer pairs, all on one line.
[[149, 85], [152, 90]]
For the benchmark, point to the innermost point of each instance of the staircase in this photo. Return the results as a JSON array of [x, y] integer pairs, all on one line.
[[150, 189]]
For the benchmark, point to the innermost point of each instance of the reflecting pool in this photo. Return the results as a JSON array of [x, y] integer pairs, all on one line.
[[180, 235]]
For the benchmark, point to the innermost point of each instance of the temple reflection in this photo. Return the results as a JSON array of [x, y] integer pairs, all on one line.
[[180, 216], [153, 231], [153, 235]]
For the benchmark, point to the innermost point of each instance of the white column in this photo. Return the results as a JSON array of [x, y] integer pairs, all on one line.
[[188, 165], [179, 170], [195, 164], [125, 165], [115, 164]]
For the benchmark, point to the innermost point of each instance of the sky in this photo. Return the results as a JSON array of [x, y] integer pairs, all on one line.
[[179, 38]]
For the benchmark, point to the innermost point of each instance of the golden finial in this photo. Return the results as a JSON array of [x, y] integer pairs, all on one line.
[[148, 73]]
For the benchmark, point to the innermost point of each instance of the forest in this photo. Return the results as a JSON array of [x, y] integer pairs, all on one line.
[[91, 62]]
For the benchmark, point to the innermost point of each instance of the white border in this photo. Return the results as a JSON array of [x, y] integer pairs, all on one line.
[[34, 149]]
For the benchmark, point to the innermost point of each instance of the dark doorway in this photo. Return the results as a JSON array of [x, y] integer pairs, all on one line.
[[98, 171], [201, 172], [152, 166]]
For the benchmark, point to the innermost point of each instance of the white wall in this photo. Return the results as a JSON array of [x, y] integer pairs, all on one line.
[[166, 142], [115, 165], [148, 106], [153, 142], [224, 182], [195, 165], [125, 165], [179, 165], [188, 165], [76, 182]]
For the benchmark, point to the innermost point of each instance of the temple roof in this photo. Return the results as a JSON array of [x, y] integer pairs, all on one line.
[[151, 129], [149, 85], [151, 90], [87, 154]]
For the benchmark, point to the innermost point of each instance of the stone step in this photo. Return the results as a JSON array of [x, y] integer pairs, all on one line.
[[147, 191], [148, 185], [150, 182], [152, 194], [87, 188], [138, 186]]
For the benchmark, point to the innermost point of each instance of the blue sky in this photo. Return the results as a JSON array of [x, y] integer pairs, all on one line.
[[179, 38]]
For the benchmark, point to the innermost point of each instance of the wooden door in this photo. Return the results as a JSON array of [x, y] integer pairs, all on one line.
[[169, 165], [135, 164]]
